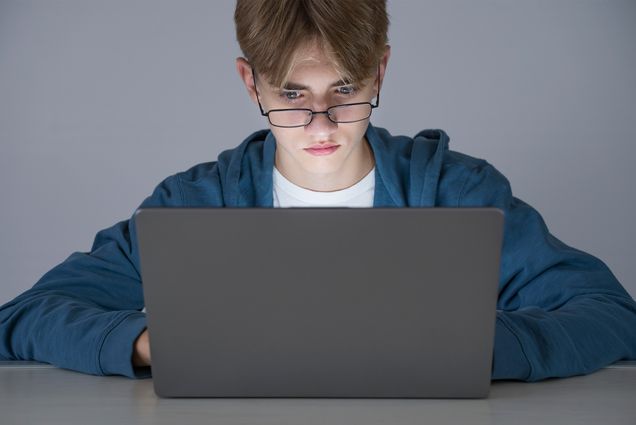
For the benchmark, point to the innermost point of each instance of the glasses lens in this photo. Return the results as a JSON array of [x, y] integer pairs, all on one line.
[[350, 113], [290, 118]]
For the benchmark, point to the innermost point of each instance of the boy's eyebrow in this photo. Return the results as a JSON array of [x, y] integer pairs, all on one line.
[[295, 86]]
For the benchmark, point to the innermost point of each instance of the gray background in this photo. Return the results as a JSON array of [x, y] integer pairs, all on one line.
[[100, 100]]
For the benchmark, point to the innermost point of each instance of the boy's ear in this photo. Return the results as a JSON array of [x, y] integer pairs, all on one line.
[[244, 70], [384, 61]]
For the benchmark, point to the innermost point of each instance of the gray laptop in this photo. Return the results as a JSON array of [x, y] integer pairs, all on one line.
[[321, 302]]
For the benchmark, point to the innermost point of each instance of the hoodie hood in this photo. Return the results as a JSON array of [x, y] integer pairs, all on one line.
[[407, 170]]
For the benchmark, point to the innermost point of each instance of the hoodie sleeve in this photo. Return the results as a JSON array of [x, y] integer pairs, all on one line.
[[85, 313], [561, 312]]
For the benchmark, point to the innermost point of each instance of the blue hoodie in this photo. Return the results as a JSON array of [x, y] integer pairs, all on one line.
[[560, 311]]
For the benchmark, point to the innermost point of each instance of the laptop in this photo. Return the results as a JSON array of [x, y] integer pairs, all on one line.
[[320, 302]]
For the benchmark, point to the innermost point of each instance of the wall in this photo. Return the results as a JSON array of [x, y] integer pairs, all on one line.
[[99, 101]]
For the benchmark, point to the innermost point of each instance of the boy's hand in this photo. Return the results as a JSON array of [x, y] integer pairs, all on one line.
[[141, 350]]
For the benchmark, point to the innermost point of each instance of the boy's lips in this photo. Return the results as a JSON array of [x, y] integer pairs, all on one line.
[[322, 149], [322, 145]]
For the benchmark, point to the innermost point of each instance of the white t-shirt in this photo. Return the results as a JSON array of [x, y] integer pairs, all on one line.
[[287, 194]]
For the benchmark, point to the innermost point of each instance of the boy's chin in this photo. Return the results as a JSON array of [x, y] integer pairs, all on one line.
[[322, 166]]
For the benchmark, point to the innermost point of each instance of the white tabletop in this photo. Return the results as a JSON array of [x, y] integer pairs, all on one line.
[[32, 393]]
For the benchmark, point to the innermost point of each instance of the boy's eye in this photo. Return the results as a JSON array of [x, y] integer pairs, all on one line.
[[296, 95], [347, 90], [290, 95]]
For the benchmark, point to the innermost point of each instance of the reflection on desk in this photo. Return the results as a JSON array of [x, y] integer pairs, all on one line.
[[34, 393]]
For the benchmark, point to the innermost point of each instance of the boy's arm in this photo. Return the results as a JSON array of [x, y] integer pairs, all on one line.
[[561, 312], [85, 313], [141, 350]]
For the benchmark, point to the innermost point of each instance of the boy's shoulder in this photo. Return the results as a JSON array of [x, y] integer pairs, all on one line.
[[197, 172], [427, 145], [426, 172], [207, 183], [250, 147]]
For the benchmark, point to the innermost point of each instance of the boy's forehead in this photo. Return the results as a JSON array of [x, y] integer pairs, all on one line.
[[311, 52], [312, 68], [310, 73], [307, 85]]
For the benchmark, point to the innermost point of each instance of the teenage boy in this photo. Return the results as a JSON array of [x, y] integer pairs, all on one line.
[[315, 70]]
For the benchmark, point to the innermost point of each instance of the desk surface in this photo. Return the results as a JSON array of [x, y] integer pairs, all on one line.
[[32, 393]]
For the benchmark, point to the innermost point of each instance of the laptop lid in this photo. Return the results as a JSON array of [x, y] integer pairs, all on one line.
[[320, 302]]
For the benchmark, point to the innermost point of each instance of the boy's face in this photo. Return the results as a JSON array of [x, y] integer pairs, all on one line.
[[322, 155]]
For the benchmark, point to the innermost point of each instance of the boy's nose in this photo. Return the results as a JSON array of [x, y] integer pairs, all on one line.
[[321, 125]]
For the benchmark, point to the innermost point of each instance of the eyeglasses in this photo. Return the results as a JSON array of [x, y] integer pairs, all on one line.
[[301, 117]]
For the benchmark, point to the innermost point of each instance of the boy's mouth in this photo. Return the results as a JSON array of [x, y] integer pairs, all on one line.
[[322, 149]]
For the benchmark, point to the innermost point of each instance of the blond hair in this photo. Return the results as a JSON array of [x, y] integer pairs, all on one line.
[[351, 33]]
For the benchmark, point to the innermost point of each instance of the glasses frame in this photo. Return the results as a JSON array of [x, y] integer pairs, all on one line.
[[311, 113]]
